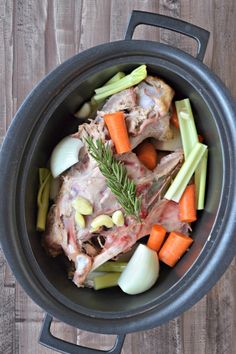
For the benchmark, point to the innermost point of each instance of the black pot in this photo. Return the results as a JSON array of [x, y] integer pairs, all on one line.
[[43, 119]]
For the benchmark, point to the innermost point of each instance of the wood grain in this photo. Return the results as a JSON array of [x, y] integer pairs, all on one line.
[[38, 35]]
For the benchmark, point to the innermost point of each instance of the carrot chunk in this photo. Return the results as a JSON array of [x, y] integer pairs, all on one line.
[[117, 129], [174, 248], [187, 205], [147, 155], [156, 237], [174, 118]]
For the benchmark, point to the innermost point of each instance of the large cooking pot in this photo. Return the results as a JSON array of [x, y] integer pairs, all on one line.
[[45, 117]]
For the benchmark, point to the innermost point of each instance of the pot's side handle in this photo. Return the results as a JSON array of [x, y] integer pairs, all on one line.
[[173, 24], [48, 340]]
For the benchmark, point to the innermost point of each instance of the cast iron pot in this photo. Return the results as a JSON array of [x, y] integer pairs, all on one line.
[[44, 118]]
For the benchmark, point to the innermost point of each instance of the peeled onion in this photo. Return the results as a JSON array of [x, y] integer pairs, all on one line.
[[65, 155], [141, 272]]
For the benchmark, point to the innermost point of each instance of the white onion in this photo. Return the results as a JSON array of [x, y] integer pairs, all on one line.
[[141, 272], [65, 155]]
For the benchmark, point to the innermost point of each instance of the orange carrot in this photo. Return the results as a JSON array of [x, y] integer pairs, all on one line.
[[187, 205], [147, 155], [200, 138], [174, 248], [174, 118], [117, 129], [156, 237]]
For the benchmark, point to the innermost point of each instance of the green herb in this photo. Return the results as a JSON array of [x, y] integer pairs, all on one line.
[[116, 175]]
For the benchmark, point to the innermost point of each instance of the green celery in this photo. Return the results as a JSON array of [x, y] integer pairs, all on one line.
[[187, 125], [200, 181], [189, 138], [185, 173], [43, 197], [135, 77], [115, 78], [112, 267], [89, 107], [106, 281]]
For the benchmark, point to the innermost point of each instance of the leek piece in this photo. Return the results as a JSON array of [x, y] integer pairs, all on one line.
[[135, 77], [106, 281], [115, 78], [185, 173], [200, 181], [43, 197], [112, 267], [187, 126]]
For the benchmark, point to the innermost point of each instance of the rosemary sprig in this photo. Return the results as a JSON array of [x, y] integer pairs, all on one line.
[[115, 173]]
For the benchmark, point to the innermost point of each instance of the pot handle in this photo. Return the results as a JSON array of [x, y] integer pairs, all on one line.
[[48, 340], [171, 23]]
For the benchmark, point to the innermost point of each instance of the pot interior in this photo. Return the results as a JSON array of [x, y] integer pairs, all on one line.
[[62, 123]]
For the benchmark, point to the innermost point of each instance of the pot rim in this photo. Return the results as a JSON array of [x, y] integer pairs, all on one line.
[[186, 295]]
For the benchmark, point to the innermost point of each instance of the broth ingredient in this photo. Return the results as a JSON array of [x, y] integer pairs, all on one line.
[[43, 198], [190, 139], [118, 218], [147, 155], [64, 155], [116, 125], [141, 272], [187, 205], [134, 78], [157, 237], [174, 248]]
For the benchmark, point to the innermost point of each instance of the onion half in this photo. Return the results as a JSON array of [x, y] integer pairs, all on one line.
[[65, 155], [141, 272]]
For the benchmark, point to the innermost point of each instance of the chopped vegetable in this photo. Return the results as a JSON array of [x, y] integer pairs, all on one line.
[[174, 248], [64, 155], [187, 205], [112, 267], [189, 139], [134, 78], [106, 281], [79, 219], [156, 237], [101, 220], [54, 188], [174, 118], [200, 138], [200, 181], [187, 126], [115, 78], [88, 107], [115, 172], [118, 132], [147, 155], [43, 198], [83, 206], [118, 218], [186, 171], [141, 272]]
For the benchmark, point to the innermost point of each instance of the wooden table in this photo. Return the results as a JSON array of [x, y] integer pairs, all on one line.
[[38, 35]]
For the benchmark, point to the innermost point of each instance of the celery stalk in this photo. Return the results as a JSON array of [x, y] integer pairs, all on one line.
[[115, 78], [112, 267], [189, 140], [43, 198], [185, 173], [135, 77], [200, 181], [187, 126], [106, 281], [88, 107]]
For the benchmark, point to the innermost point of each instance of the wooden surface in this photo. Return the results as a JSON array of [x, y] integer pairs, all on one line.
[[38, 35]]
